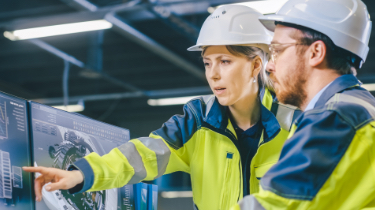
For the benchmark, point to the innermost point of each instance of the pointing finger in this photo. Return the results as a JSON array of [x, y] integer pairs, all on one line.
[[35, 169]]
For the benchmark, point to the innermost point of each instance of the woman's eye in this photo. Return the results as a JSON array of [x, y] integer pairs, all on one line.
[[206, 64], [225, 61]]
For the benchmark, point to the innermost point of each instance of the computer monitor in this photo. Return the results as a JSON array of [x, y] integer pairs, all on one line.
[[59, 139], [15, 184]]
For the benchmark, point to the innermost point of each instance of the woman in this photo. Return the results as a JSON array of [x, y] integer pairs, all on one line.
[[226, 141]]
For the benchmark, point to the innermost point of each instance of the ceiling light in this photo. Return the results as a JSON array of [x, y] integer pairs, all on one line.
[[177, 194], [264, 7], [72, 108], [46, 31], [369, 87], [170, 101], [211, 9]]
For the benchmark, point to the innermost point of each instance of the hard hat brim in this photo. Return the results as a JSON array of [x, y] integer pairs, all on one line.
[[261, 46], [269, 21], [195, 48]]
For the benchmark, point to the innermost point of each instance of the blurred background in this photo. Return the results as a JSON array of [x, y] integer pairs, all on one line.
[[118, 70]]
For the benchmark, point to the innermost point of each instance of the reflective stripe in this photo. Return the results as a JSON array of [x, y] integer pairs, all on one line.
[[354, 100], [250, 203], [134, 158], [284, 115], [209, 101], [161, 150], [267, 99]]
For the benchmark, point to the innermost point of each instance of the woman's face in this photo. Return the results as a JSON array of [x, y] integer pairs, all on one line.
[[230, 77]]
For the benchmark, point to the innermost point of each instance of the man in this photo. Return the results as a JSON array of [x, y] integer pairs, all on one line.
[[329, 161]]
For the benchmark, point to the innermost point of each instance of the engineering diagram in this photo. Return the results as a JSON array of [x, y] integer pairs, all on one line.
[[10, 180], [3, 121], [75, 145]]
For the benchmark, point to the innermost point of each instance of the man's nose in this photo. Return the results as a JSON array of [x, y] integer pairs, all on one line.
[[270, 68]]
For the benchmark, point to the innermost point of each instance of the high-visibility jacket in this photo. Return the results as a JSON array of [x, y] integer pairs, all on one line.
[[201, 142], [329, 160]]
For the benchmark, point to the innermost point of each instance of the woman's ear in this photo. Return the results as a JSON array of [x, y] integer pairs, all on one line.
[[257, 66]]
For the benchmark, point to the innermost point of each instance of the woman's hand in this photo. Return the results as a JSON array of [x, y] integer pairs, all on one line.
[[60, 179]]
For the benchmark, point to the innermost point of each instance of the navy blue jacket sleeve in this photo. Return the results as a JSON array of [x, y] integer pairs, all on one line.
[[88, 174], [309, 157], [180, 128]]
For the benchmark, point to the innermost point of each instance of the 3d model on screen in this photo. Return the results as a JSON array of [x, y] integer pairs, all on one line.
[[75, 145], [10, 180], [58, 140]]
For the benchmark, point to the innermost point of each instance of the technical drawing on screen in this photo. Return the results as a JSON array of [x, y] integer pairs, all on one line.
[[15, 185], [61, 138]]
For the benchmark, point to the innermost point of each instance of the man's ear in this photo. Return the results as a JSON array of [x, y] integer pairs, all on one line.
[[317, 53]]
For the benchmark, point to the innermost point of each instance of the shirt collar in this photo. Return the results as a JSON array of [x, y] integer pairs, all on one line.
[[338, 85], [218, 117], [313, 101], [270, 124]]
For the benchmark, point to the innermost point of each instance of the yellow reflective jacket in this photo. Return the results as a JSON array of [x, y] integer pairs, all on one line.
[[329, 160], [202, 142]]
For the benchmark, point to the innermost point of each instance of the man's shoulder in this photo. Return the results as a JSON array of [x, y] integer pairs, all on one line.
[[355, 106]]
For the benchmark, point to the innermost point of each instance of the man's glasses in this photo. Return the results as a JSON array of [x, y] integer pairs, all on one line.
[[277, 49]]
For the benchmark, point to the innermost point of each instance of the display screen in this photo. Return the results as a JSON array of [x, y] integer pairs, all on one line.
[[61, 138], [15, 184], [127, 197]]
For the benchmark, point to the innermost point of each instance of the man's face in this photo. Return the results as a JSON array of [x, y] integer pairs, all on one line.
[[288, 71]]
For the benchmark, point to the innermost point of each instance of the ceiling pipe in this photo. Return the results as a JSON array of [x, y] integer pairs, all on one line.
[[143, 40], [136, 94]]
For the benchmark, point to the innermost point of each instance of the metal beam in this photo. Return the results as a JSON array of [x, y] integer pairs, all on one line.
[[32, 11], [71, 17], [188, 7], [143, 40], [81, 5], [137, 94], [176, 22], [53, 50], [80, 64]]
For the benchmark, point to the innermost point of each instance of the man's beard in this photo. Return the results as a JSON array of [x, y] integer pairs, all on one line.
[[294, 92]]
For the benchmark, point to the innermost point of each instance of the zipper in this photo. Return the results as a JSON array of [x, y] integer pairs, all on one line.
[[234, 140], [227, 171], [252, 163]]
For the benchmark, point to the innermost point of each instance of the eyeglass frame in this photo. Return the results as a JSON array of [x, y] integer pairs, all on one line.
[[274, 54]]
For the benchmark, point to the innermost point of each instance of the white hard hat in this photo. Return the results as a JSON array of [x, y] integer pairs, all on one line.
[[233, 25], [346, 22]]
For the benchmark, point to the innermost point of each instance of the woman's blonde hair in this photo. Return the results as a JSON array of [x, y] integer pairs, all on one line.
[[251, 52]]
